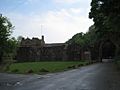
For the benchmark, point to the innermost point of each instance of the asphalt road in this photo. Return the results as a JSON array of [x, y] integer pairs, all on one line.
[[102, 76]]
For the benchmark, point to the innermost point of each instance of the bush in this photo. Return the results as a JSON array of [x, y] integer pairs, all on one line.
[[43, 70], [87, 63], [15, 70], [72, 67], [79, 65], [69, 67], [30, 71]]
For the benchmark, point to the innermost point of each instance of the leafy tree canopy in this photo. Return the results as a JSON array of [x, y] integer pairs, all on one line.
[[85, 40], [5, 32], [106, 15], [77, 39]]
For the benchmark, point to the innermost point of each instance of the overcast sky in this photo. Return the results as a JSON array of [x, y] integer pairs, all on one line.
[[57, 20]]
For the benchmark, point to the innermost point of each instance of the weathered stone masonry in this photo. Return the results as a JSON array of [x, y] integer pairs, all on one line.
[[36, 50]]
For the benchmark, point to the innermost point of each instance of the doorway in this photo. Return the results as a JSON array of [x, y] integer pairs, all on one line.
[[108, 51]]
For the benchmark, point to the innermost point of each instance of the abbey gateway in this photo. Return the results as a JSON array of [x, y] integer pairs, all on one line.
[[37, 50]]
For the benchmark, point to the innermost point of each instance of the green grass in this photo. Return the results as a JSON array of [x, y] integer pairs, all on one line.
[[42, 67]]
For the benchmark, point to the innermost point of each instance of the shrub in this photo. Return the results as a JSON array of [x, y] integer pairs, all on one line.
[[87, 63], [72, 67], [79, 65], [30, 71], [15, 70], [43, 70], [69, 67]]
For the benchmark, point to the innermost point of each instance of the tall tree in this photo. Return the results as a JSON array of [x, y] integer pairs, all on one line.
[[106, 15], [77, 39], [5, 31]]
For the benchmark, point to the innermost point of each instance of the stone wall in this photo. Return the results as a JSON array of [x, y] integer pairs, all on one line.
[[36, 50], [56, 53], [74, 52]]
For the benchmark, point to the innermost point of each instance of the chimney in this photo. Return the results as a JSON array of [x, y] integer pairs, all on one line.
[[42, 38]]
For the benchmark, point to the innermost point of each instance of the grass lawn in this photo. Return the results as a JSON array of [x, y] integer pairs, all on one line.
[[44, 67]]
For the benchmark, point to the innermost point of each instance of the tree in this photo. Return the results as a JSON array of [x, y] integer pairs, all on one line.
[[87, 39], [11, 44], [19, 39], [106, 15], [77, 39], [5, 31], [90, 37]]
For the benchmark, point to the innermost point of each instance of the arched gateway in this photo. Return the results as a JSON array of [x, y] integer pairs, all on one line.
[[107, 49]]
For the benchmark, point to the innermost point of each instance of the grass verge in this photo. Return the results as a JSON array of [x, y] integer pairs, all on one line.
[[44, 67]]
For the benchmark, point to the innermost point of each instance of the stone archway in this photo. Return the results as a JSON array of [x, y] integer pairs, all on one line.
[[107, 50]]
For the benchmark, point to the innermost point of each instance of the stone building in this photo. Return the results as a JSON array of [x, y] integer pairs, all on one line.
[[37, 50]]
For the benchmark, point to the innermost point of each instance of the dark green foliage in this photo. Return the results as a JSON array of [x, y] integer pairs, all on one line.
[[90, 37], [15, 70], [77, 39], [79, 65], [106, 15], [85, 40], [5, 31], [72, 67], [43, 70], [19, 39], [11, 45], [30, 71]]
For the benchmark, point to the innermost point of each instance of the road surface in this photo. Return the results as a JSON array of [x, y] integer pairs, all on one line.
[[101, 76]]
